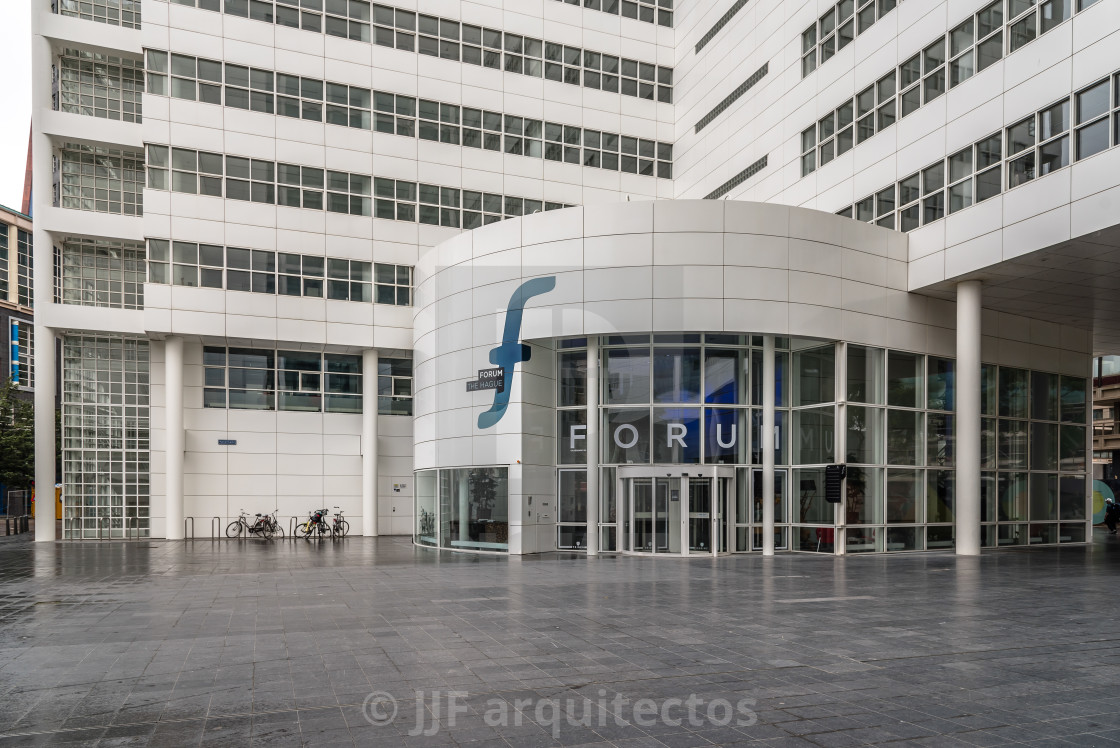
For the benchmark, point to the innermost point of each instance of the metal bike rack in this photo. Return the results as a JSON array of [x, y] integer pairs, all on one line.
[[100, 524], [135, 526], [185, 521], [292, 528], [215, 528]]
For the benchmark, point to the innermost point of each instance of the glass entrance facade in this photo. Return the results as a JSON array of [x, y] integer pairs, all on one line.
[[691, 399]]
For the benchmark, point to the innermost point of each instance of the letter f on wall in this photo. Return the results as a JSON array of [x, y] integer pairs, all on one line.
[[512, 351]]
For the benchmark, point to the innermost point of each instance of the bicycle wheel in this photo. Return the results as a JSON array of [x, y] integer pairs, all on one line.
[[304, 529], [322, 530], [233, 529], [266, 530], [277, 530], [343, 529]]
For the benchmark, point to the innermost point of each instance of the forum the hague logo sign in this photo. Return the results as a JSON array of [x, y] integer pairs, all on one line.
[[510, 353]]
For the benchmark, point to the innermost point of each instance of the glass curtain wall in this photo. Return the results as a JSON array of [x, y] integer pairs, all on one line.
[[463, 508], [678, 399]]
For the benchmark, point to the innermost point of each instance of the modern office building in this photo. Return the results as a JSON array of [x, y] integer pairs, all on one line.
[[456, 267]]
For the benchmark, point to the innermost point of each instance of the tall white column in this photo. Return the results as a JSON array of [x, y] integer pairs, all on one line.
[[768, 445], [173, 403], [44, 433], [43, 264], [592, 446], [968, 418], [369, 443]]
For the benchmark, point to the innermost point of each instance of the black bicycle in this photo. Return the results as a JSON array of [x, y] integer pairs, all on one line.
[[316, 525], [264, 526], [340, 527]]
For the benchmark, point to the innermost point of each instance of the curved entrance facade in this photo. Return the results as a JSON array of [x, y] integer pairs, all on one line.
[[695, 366]]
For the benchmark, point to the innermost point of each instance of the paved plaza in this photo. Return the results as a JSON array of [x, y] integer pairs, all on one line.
[[234, 643]]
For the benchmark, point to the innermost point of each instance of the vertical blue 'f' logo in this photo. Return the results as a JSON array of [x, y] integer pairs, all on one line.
[[512, 351]]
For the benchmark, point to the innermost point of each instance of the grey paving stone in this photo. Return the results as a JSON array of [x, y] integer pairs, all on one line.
[[201, 643]]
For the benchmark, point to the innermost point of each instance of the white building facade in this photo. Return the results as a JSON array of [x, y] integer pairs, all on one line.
[[456, 267]]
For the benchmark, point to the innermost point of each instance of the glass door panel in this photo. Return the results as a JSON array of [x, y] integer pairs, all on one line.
[[700, 512], [641, 492]]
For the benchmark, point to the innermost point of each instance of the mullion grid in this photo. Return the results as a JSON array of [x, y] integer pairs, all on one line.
[[103, 180], [125, 13], [1032, 147], [199, 79], [452, 40], [100, 86], [1019, 447], [254, 180], [973, 45], [103, 274], [25, 269], [197, 265], [266, 379], [105, 436], [1029, 19], [4, 261], [648, 11], [838, 28], [394, 386], [25, 365]]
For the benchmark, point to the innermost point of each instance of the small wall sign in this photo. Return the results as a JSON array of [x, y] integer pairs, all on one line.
[[227, 442], [489, 379]]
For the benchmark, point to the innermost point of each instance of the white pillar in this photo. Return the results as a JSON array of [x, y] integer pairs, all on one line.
[[968, 418], [43, 354], [43, 264], [592, 446], [768, 387], [369, 443], [173, 403]]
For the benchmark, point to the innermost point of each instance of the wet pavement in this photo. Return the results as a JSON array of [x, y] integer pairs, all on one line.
[[234, 643]]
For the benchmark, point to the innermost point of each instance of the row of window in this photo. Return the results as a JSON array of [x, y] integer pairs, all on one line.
[[103, 180], [22, 333], [969, 48], [264, 271], [99, 85], [124, 13], [1071, 129], [264, 379], [650, 11], [452, 40], [102, 274], [258, 181], [838, 28], [191, 78], [25, 286]]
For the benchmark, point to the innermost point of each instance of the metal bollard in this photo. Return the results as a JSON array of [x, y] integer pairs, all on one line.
[[185, 521]]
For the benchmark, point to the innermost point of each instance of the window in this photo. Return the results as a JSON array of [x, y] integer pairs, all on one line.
[[25, 286], [104, 180], [1029, 20], [105, 435], [23, 346], [263, 379], [258, 271], [475, 45], [394, 386], [98, 85], [1092, 107], [125, 13], [103, 274], [837, 28], [649, 11], [388, 113]]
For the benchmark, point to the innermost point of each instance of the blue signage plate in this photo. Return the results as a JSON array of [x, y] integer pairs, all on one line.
[[227, 442]]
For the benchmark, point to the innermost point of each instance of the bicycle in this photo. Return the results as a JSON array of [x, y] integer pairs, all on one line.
[[277, 529], [263, 526], [340, 527], [316, 525]]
